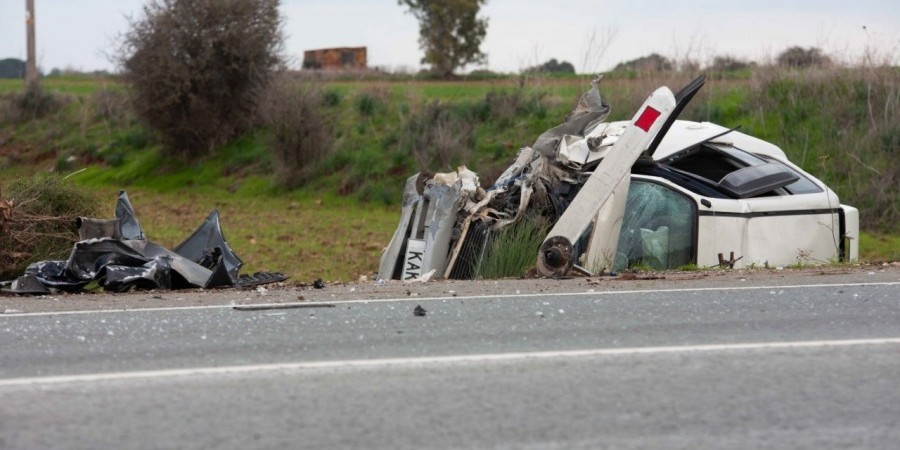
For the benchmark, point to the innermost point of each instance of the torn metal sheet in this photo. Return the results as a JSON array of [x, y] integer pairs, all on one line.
[[589, 112], [425, 242], [207, 247], [129, 228], [97, 228], [115, 254], [390, 267]]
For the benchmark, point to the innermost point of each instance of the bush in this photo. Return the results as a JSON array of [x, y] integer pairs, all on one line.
[[728, 64], [331, 98], [111, 105], [552, 66], [37, 221], [372, 100], [301, 132], [653, 62], [799, 57], [31, 104], [197, 67], [503, 106], [439, 137]]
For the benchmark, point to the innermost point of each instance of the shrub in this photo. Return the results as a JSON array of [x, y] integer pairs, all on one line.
[[653, 62], [371, 100], [438, 136], [552, 66], [799, 57], [301, 133], [112, 106], [503, 106], [728, 64], [37, 218], [196, 68], [331, 97], [366, 104], [33, 103]]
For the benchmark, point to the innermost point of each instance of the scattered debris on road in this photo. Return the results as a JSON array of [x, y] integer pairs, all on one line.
[[116, 255], [419, 311]]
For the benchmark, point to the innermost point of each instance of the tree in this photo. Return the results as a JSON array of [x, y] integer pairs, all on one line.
[[12, 68], [450, 32], [197, 67], [799, 57], [552, 66], [653, 62], [728, 63]]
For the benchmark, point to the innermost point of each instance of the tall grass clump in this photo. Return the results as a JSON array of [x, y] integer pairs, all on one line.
[[301, 129], [37, 221], [503, 106], [513, 250], [368, 103], [842, 125], [110, 105]]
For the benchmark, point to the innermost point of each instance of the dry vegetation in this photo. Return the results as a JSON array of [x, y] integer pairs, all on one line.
[[301, 132], [37, 221]]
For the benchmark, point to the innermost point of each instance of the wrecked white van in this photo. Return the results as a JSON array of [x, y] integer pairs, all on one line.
[[653, 191]]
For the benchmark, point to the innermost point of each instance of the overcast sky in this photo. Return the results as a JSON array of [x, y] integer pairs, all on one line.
[[77, 33]]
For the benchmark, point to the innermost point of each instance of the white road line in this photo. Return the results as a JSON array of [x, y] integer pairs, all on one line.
[[435, 360], [469, 297]]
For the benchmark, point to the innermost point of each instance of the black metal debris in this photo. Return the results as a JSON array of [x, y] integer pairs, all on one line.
[[116, 255]]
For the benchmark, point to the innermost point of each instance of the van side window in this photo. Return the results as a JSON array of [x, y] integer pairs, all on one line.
[[658, 228]]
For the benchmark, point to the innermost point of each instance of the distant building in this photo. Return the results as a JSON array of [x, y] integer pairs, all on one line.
[[335, 58]]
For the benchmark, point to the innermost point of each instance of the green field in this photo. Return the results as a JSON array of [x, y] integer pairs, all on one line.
[[842, 126]]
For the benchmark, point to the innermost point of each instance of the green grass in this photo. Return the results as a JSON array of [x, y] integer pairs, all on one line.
[[71, 84], [513, 251], [875, 247]]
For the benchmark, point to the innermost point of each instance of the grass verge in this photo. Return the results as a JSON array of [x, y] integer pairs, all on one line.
[[303, 236]]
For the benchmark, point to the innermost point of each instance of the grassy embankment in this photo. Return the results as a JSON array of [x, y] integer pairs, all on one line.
[[335, 226]]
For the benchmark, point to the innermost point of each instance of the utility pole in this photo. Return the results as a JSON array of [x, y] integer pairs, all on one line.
[[30, 65]]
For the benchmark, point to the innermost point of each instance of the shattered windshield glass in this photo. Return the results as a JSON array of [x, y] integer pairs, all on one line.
[[657, 229]]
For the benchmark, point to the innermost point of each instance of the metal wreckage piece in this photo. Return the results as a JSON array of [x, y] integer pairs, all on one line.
[[117, 255], [446, 226]]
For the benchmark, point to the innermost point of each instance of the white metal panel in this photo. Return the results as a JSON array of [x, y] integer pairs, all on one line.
[[721, 234], [439, 223], [598, 189], [685, 134], [601, 252], [793, 239], [799, 202], [851, 232]]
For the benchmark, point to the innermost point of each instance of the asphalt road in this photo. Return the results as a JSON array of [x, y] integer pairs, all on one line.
[[754, 367]]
